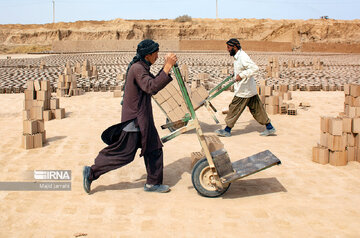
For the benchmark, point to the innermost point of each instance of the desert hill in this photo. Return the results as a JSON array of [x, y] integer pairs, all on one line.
[[296, 32]]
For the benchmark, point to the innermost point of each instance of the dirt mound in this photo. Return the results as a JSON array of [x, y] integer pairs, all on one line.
[[296, 32]]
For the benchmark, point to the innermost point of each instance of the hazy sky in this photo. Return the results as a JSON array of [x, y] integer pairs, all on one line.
[[41, 11]]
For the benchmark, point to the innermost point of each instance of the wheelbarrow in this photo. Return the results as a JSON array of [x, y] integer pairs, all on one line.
[[213, 175]]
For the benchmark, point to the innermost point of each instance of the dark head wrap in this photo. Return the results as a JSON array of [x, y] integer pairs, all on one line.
[[234, 42], [144, 48]]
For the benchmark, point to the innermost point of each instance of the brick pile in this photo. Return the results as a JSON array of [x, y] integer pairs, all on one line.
[[67, 83], [276, 100], [339, 137]]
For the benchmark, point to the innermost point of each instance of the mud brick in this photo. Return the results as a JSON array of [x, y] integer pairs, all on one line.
[[60, 85], [272, 110], [43, 135], [36, 113], [179, 112], [320, 155], [30, 94], [337, 158], [172, 103], [357, 140], [262, 98], [28, 104], [178, 98], [165, 94], [26, 115], [30, 85], [356, 125], [196, 99], [335, 126], [45, 85], [159, 98], [351, 111], [357, 111], [172, 116], [350, 139], [267, 100], [347, 124], [284, 88], [274, 100], [324, 124], [287, 96], [268, 90], [213, 142], [283, 108], [166, 107], [195, 157], [262, 82], [357, 154], [60, 113], [355, 90], [350, 154], [60, 93], [38, 142], [37, 85], [27, 141], [348, 100], [355, 102], [347, 89], [62, 78], [262, 90], [47, 115], [40, 126], [336, 143], [202, 92], [171, 89], [292, 111], [30, 127], [117, 93], [41, 95], [323, 139], [54, 103]]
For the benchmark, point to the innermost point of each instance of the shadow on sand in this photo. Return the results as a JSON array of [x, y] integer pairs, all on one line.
[[172, 175]]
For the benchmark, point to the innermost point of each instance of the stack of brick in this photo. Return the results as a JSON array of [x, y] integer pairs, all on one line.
[[317, 64], [37, 99], [275, 101], [185, 72], [171, 101], [213, 142], [120, 80], [42, 65], [340, 138], [38, 104], [88, 71], [272, 68], [201, 79], [67, 83]]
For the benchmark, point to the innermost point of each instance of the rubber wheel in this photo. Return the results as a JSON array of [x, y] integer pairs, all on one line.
[[201, 178], [174, 128]]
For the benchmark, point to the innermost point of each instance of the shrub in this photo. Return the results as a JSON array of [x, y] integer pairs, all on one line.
[[183, 18]]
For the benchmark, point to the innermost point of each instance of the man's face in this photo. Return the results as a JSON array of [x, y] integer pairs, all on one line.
[[152, 57], [232, 50]]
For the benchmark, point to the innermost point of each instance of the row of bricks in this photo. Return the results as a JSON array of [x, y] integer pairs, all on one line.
[[339, 125], [323, 155], [339, 142], [31, 141], [48, 104], [37, 113]]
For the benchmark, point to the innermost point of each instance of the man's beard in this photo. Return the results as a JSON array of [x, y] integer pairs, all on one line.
[[232, 52]]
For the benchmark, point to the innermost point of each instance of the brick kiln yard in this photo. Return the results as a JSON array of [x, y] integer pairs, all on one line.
[[300, 198]]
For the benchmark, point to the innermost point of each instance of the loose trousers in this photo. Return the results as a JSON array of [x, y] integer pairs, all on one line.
[[238, 105], [123, 152]]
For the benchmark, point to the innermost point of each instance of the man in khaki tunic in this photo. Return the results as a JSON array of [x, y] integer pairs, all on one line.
[[245, 92]]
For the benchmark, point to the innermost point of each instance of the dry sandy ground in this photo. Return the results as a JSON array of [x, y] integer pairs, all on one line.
[[21, 56], [297, 199]]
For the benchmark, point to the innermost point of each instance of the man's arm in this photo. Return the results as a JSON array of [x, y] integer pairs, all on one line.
[[250, 68]]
